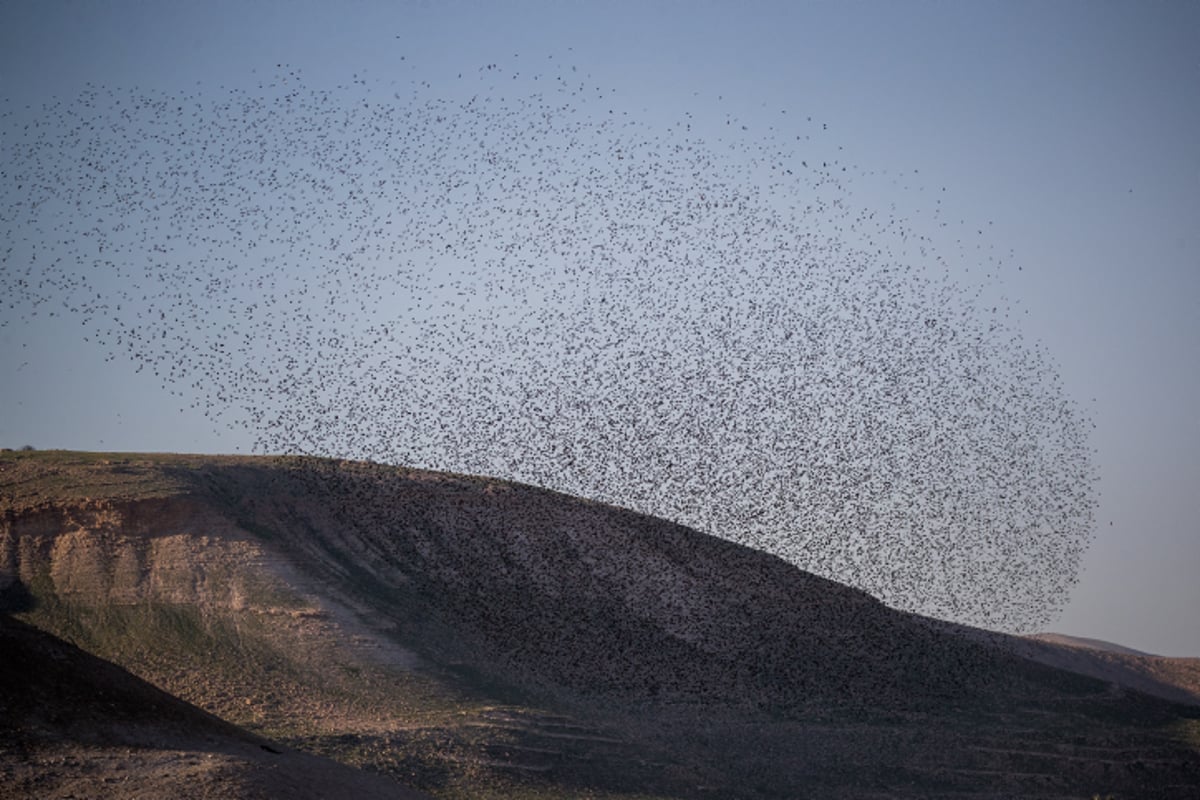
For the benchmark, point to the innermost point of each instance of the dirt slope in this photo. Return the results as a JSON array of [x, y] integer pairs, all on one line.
[[476, 638], [1176, 679], [1121, 668], [72, 724]]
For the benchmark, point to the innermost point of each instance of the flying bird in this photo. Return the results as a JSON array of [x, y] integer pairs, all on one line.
[[518, 282]]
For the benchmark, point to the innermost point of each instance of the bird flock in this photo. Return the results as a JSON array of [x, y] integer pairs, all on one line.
[[512, 274]]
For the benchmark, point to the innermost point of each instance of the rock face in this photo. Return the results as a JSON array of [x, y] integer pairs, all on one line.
[[175, 550], [463, 633]]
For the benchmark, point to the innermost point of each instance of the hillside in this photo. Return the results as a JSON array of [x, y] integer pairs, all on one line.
[[1090, 644], [84, 727], [473, 637], [1175, 679]]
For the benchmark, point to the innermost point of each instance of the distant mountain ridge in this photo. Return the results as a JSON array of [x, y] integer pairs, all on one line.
[[1091, 644], [54, 694]]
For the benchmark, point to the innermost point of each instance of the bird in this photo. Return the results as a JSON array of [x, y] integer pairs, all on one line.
[[704, 324]]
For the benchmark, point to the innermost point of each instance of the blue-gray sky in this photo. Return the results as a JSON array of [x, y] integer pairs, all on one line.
[[1069, 132]]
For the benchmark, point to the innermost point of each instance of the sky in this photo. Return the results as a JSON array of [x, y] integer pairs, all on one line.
[[1067, 134]]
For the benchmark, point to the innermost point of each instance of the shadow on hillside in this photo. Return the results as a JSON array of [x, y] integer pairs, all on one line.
[[15, 597]]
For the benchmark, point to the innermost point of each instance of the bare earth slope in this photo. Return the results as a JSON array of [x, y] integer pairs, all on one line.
[[477, 638], [1176, 679], [84, 727], [1090, 644]]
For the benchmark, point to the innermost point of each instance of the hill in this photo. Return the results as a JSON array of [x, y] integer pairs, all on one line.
[[474, 638], [85, 727], [1090, 644]]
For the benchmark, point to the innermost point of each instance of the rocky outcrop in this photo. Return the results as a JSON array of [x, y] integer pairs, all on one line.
[[175, 550]]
